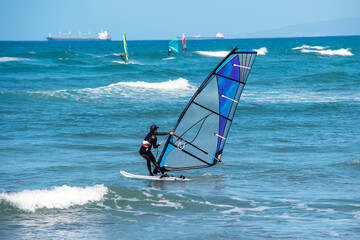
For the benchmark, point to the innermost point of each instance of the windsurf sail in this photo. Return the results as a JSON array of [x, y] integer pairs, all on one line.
[[174, 46], [202, 129], [125, 48]]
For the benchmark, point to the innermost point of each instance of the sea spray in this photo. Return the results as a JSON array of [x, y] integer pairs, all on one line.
[[262, 51]]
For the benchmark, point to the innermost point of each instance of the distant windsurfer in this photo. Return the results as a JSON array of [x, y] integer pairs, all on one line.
[[169, 52], [184, 44], [145, 150], [123, 57]]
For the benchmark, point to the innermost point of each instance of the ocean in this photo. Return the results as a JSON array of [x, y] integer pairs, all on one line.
[[72, 115]]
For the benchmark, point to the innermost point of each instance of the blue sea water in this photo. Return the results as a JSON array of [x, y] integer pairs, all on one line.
[[72, 115]]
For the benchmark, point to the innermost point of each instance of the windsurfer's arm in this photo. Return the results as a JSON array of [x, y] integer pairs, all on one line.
[[164, 133], [161, 133]]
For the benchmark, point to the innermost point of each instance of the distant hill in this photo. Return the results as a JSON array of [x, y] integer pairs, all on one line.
[[338, 27]]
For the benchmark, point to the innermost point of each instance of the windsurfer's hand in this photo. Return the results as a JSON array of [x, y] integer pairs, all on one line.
[[171, 133], [160, 144]]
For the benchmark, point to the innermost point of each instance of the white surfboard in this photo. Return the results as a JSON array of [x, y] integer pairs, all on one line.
[[170, 178]]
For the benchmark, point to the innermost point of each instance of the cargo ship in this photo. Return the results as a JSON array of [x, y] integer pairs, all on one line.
[[102, 36], [198, 37]]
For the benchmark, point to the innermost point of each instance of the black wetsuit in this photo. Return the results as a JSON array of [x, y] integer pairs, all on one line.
[[145, 150], [123, 58]]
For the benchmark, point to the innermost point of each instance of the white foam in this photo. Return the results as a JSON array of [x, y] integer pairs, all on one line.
[[130, 62], [58, 197], [114, 54], [332, 233], [213, 53], [138, 90], [354, 162], [324, 51], [243, 210], [13, 59], [179, 84], [167, 203], [261, 51], [329, 52], [309, 47]]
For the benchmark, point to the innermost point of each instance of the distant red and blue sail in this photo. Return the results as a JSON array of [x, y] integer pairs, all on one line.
[[202, 128]]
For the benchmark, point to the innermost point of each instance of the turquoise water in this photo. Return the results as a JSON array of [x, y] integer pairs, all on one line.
[[72, 116]]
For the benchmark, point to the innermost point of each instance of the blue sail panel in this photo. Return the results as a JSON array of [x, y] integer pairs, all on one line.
[[231, 70], [227, 94]]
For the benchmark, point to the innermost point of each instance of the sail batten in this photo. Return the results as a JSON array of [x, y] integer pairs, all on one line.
[[211, 111], [228, 78], [202, 129]]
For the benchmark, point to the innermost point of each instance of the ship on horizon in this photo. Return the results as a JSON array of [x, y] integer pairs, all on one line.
[[102, 36], [198, 37]]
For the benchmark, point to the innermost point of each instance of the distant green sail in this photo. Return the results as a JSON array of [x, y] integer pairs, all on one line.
[[125, 48], [174, 46]]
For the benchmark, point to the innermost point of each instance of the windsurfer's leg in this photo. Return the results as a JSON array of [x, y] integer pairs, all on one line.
[[148, 163], [149, 168]]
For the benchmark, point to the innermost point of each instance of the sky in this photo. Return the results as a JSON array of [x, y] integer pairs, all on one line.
[[164, 19]]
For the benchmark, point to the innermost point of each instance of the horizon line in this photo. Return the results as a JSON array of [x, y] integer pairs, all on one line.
[[119, 40]]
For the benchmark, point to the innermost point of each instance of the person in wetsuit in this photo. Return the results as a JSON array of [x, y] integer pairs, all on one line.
[[145, 150], [184, 45], [169, 52], [123, 57]]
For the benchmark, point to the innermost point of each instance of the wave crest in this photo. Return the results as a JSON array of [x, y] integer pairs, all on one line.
[[13, 59], [136, 90], [213, 53], [309, 47], [261, 51], [58, 197], [329, 52], [324, 50], [179, 84]]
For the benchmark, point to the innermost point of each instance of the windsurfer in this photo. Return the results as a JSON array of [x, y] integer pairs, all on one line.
[[169, 52], [123, 57], [184, 45], [145, 150]]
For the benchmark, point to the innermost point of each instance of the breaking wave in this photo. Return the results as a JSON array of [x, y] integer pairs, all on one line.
[[324, 50], [136, 90], [58, 197], [13, 59], [329, 52], [213, 53], [261, 51], [179, 84], [309, 47]]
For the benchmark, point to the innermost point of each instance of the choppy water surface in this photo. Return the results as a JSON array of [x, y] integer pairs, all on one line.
[[72, 115]]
